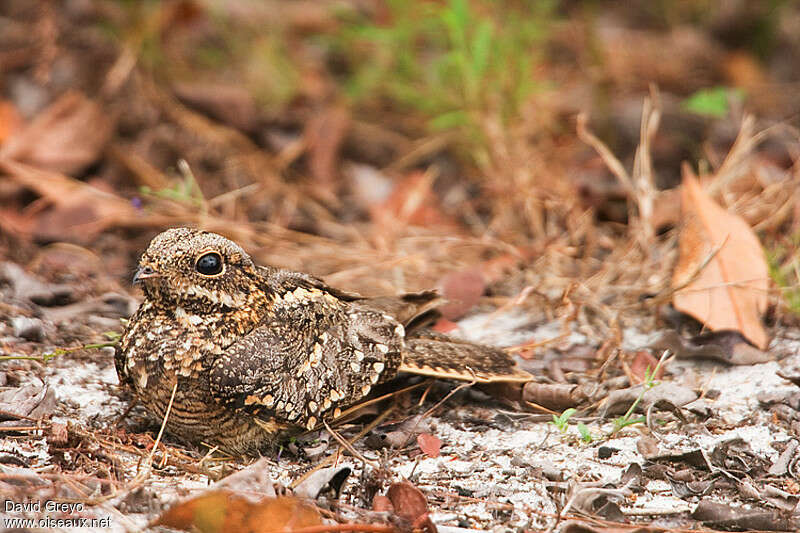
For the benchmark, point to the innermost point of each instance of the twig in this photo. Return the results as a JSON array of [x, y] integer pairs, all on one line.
[[661, 298], [535, 344], [643, 173], [447, 397], [19, 428], [608, 157], [45, 357], [331, 458], [376, 528], [349, 447], [188, 463], [349, 411], [640, 187]]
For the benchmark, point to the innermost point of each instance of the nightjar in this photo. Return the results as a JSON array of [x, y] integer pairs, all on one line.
[[253, 352]]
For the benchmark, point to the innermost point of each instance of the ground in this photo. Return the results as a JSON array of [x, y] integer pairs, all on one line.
[[499, 468]]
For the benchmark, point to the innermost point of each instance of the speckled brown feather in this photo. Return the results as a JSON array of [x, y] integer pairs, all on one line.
[[259, 351]]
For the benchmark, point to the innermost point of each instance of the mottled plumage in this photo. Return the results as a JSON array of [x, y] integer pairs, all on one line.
[[257, 351]]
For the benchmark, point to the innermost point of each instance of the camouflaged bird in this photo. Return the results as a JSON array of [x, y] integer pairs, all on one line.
[[253, 352]]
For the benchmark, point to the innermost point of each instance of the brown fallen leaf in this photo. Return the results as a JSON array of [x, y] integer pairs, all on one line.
[[67, 136], [647, 446], [429, 444], [410, 504], [553, 396], [724, 345], [620, 400], [462, 289], [399, 435], [221, 511], [324, 136], [444, 326], [643, 361], [10, 120], [231, 104], [412, 202], [382, 504], [34, 400], [727, 517], [79, 210], [574, 526], [721, 276]]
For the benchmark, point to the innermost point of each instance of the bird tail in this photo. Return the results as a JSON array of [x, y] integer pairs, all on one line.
[[433, 354]]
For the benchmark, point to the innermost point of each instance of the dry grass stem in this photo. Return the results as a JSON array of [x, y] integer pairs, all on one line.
[[149, 462]]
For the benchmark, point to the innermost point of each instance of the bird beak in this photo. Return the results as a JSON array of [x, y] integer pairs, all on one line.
[[144, 273]]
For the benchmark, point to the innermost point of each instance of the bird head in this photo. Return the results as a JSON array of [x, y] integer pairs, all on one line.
[[197, 270]]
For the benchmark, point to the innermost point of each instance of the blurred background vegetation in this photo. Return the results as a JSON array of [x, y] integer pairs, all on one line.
[[417, 137]]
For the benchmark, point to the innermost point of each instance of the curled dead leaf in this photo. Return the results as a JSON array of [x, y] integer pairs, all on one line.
[[721, 278], [410, 504], [553, 396], [726, 346], [78, 210], [221, 511], [34, 400]]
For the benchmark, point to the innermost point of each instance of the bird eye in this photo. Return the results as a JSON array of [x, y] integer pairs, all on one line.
[[209, 264]]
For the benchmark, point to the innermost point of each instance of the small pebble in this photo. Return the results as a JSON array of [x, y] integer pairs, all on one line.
[[28, 328], [604, 452]]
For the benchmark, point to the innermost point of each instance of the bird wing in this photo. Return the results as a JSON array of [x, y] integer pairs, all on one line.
[[313, 354], [414, 310]]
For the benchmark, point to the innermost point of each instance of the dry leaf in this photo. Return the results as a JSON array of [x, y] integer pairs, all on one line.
[[231, 104], [66, 137], [429, 444], [221, 511], [553, 396], [444, 326], [10, 120], [324, 135], [730, 289], [410, 504], [462, 289], [34, 400], [643, 361], [726, 346], [382, 504], [412, 202], [79, 210]]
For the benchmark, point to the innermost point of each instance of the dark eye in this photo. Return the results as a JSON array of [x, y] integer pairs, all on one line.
[[209, 264]]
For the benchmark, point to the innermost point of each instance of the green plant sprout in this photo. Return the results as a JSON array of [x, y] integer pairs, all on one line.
[[561, 422], [714, 102], [649, 382], [586, 435], [113, 337], [185, 190]]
